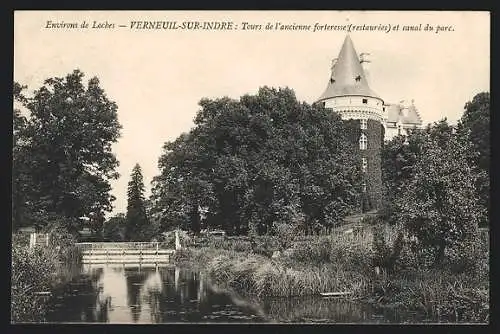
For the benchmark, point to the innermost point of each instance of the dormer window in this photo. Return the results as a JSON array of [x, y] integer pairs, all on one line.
[[332, 80], [358, 78]]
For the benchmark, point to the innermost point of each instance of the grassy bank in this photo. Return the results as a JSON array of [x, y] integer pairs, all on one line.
[[345, 262], [36, 272]]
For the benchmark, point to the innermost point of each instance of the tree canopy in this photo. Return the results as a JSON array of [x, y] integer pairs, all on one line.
[[62, 154], [437, 179], [251, 163]]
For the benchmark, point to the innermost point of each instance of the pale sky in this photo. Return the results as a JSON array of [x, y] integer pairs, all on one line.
[[157, 77]]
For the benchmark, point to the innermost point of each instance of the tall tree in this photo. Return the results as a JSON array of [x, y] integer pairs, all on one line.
[[63, 158], [136, 221], [256, 162]]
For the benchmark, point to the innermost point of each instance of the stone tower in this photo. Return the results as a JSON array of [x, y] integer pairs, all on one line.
[[349, 94]]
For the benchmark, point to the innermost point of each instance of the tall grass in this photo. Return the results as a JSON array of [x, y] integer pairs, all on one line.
[[346, 261]]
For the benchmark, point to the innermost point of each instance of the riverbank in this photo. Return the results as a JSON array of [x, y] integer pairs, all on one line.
[[36, 272], [345, 263]]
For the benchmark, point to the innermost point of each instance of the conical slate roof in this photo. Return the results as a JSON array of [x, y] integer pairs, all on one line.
[[348, 77]]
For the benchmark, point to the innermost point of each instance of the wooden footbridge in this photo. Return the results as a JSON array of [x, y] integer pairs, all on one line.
[[124, 252]]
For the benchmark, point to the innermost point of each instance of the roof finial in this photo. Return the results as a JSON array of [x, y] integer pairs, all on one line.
[[348, 30]]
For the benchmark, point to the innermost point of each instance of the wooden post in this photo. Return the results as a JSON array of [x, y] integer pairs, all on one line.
[[157, 251], [177, 240], [140, 255]]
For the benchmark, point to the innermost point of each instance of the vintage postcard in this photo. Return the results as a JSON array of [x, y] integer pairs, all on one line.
[[251, 167]]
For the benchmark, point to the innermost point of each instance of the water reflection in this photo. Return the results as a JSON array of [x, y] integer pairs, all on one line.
[[122, 294], [152, 294]]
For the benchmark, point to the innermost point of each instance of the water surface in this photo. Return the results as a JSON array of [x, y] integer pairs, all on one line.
[[168, 294]]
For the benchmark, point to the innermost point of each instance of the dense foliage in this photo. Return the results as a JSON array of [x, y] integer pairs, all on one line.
[[437, 182], [251, 164], [114, 228], [62, 158], [474, 126]]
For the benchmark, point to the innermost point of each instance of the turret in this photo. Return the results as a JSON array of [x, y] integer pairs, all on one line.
[[349, 94]]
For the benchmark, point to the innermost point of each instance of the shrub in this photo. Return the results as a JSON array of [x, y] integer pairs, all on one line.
[[182, 255], [386, 255], [264, 246], [31, 271], [467, 257]]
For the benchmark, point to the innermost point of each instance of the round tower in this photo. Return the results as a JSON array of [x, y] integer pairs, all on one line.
[[349, 94]]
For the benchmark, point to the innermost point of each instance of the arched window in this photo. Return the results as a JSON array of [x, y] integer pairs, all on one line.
[[363, 187], [363, 142]]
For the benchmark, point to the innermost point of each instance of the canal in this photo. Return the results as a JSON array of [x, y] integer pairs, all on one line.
[[168, 294]]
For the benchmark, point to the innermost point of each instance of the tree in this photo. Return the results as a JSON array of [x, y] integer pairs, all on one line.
[[474, 126], [252, 163], [401, 155], [62, 153], [137, 223], [114, 228], [439, 204]]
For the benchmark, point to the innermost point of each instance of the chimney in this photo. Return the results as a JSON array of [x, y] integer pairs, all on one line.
[[364, 59]]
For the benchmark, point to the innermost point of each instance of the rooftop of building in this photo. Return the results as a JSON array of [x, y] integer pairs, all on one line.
[[404, 113], [348, 76]]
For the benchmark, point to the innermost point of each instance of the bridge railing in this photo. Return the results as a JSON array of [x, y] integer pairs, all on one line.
[[83, 246]]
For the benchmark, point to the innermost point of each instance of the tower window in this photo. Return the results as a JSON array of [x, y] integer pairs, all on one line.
[[364, 165], [358, 78], [363, 187], [365, 101], [364, 125], [363, 142], [332, 80]]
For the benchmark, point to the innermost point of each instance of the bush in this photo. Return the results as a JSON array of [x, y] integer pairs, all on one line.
[[62, 246], [467, 257], [264, 246], [32, 271], [39, 270], [386, 255], [182, 256]]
